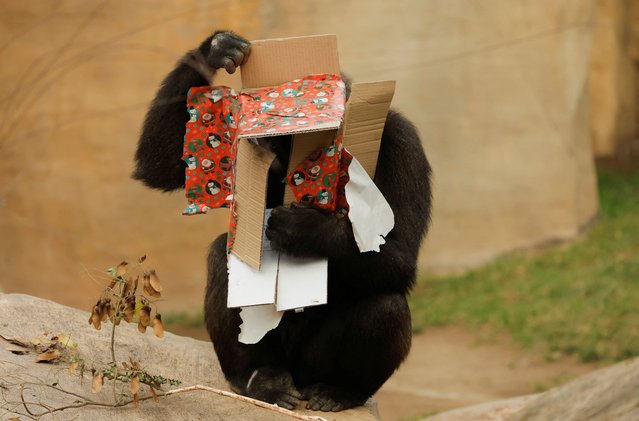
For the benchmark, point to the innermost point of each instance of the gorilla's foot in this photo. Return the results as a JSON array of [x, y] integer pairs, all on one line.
[[273, 385], [324, 397]]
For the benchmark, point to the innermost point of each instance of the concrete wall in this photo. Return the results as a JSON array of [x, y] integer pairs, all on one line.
[[497, 88], [614, 78]]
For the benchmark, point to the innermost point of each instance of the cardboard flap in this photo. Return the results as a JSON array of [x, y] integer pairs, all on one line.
[[251, 174], [364, 121], [275, 61]]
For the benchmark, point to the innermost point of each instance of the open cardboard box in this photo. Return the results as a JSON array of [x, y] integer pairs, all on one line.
[[258, 275]]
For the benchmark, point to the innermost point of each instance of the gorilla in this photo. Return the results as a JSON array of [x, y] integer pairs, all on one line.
[[337, 355]]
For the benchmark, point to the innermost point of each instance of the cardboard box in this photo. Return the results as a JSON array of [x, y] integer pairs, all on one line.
[[257, 275]]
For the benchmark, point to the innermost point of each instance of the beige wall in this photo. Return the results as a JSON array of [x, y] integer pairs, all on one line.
[[614, 87], [497, 88]]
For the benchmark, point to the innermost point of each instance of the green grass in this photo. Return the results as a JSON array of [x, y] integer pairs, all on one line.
[[580, 299], [179, 320]]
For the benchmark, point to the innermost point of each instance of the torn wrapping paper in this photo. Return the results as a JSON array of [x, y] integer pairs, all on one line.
[[220, 117], [319, 179]]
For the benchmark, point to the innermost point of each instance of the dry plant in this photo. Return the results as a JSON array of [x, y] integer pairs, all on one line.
[[120, 301]]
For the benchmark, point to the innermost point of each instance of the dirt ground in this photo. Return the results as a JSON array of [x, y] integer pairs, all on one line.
[[450, 367]]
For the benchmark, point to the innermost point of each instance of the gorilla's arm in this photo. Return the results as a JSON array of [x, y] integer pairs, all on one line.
[[159, 155], [403, 178]]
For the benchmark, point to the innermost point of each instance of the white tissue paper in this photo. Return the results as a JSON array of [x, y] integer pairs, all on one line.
[[369, 212]]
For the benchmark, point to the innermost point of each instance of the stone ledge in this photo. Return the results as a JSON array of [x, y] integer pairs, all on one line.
[[186, 359]]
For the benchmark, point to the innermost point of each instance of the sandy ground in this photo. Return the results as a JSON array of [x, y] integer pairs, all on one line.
[[449, 368]]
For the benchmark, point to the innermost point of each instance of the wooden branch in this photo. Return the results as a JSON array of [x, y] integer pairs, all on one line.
[[90, 402], [242, 398]]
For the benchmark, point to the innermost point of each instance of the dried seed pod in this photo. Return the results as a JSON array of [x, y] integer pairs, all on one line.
[[72, 368], [49, 356], [158, 327], [148, 289], [145, 318], [96, 384], [141, 327], [135, 284], [155, 281], [104, 314], [110, 311], [135, 385], [155, 395], [95, 318], [145, 315], [121, 269], [129, 309]]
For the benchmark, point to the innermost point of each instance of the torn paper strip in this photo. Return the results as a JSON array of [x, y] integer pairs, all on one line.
[[370, 213], [257, 321]]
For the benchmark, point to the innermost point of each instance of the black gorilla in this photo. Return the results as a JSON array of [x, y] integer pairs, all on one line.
[[336, 355]]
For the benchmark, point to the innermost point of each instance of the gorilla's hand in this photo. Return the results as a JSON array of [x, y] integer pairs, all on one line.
[[304, 231], [228, 50]]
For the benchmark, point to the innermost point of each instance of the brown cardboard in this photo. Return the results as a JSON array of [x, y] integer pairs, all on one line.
[[364, 119], [251, 172], [276, 61], [273, 62]]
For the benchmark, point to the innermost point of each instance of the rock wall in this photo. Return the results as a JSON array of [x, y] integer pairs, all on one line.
[[498, 90], [614, 87]]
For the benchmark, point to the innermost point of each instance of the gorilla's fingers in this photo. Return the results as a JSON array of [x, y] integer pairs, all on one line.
[[284, 404], [241, 40], [295, 393], [328, 405], [288, 399], [238, 58], [228, 65]]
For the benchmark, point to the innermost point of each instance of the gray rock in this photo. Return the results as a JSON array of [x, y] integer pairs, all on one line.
[[610, 393], [189, 360]]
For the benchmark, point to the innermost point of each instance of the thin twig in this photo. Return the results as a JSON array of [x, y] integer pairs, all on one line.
[[255, 402], [85, 401]]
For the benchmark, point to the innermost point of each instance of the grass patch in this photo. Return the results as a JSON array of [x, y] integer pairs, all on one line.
[[581, 299], [180, 320]]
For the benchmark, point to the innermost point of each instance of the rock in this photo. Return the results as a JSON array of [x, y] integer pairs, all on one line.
[[189, 360], [490, 411], [605, 394], [608, 394]]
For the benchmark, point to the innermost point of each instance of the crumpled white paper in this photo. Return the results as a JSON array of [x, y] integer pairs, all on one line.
[[369, 212], [257, 321]]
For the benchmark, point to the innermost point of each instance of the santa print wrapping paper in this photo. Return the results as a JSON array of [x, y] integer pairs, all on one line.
[[219, 117]]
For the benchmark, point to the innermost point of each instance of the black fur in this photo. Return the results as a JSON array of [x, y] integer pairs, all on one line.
[[336, 355]]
